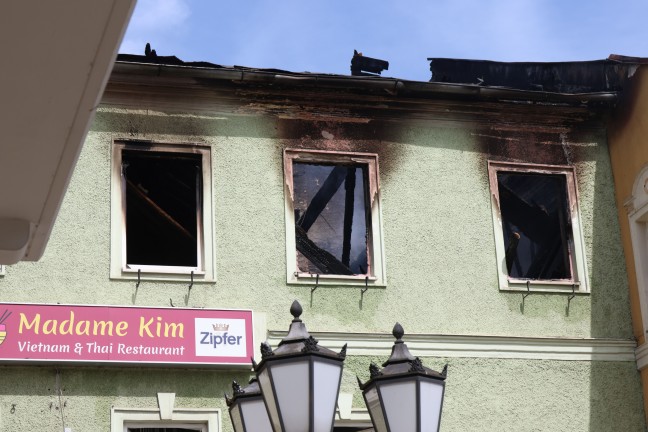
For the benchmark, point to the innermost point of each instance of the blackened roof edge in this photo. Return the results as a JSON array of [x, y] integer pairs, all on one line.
[[569, 77], [501, 89]]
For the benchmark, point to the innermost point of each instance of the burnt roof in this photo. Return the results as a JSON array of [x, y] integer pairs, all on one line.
[[586, 83], [175, 61], [607, 75]]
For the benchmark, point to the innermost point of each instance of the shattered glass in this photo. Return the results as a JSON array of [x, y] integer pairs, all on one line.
[[331, 204], [536, 225]]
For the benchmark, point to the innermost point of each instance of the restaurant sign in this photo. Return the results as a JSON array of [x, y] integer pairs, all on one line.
[[105, 334]]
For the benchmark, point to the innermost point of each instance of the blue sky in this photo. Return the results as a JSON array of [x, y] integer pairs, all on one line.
[[302, 35]]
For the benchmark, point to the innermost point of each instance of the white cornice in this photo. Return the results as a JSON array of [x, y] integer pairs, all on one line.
[[506, 347], [641, 353]]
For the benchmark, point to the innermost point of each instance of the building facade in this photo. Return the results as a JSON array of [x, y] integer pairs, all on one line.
[[481, 218], [629, 156]]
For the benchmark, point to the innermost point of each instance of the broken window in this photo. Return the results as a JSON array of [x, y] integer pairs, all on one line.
[[331, 218], [162, 192], [537, 225], [165, 429], [156, 426], [332, 212]]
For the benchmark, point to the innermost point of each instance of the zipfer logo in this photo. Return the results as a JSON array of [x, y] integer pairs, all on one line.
[[220, 337], [3, 327]]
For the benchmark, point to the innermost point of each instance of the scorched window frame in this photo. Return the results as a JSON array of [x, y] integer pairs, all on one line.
[[204, 271], [375, 275], [578, 282]]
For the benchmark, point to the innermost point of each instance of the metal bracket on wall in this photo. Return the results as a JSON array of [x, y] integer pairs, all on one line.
[[524, 296], [573, 294], [364, 290], [314, 288], [191, 284], [139, 279]]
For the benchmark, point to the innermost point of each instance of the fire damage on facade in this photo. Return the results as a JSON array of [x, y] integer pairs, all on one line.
[[440, 204]]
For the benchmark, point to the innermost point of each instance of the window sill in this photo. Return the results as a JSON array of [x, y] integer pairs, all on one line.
[[335, 280], [548, 286], [163, 270], [163, 277]]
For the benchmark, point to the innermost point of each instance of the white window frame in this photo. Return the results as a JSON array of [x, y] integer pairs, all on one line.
[[205, 271], [579, 282], [198, 427], [376, 255], [637, 206], [166, 415]]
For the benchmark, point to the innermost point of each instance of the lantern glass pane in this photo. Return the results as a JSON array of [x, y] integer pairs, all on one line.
[[399, 400], [375, 410], [292, 385], [235, 415], [326, 383], [255, 415], [431, 400], [269, 397]]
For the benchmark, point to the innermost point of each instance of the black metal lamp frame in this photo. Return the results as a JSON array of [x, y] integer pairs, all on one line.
[[252, 391], [401, 367], [295, 347]]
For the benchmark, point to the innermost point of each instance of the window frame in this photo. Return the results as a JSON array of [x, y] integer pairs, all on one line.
[[637, 207], [198, 427], [579, 282], [119, 269], [375, 248], [123, 418]]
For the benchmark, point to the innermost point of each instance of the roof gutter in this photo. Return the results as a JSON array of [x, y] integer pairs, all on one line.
[[393, 86]]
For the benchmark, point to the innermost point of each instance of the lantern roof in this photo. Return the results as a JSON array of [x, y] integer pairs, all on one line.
[[400, 363], [297, 342]]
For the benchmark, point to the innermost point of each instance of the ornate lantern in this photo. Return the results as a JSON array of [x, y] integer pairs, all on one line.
[[405, 396], [300, 380], [247, 410]]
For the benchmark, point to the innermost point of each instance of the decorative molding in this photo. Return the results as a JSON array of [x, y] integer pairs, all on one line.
[[209, 418], [347, 415], [467, 346], [166, 403], [641, 354]]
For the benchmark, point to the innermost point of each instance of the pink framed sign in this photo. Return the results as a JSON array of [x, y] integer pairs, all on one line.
[[109, 334]]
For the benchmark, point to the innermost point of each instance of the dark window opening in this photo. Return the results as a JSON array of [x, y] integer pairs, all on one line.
[[163, 197], [332, 216], [161, 430], [352, 429], [536, 225]]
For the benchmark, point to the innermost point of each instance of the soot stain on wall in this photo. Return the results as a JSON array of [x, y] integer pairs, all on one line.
[[340, 136]]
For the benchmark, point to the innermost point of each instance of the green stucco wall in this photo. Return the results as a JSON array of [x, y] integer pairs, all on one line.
[[481, 395], [441, 273]]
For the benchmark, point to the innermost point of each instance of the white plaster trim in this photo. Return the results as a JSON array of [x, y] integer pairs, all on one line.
[[347, 415], [641, 354], [502, 347], [166, 402], [210, 418], [2, 270]]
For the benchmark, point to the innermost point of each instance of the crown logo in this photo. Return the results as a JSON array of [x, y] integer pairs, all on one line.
[[220, 327]]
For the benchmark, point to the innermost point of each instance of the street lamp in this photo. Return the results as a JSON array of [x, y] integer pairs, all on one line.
[[300, 380], [405, 396], [247, 410]]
